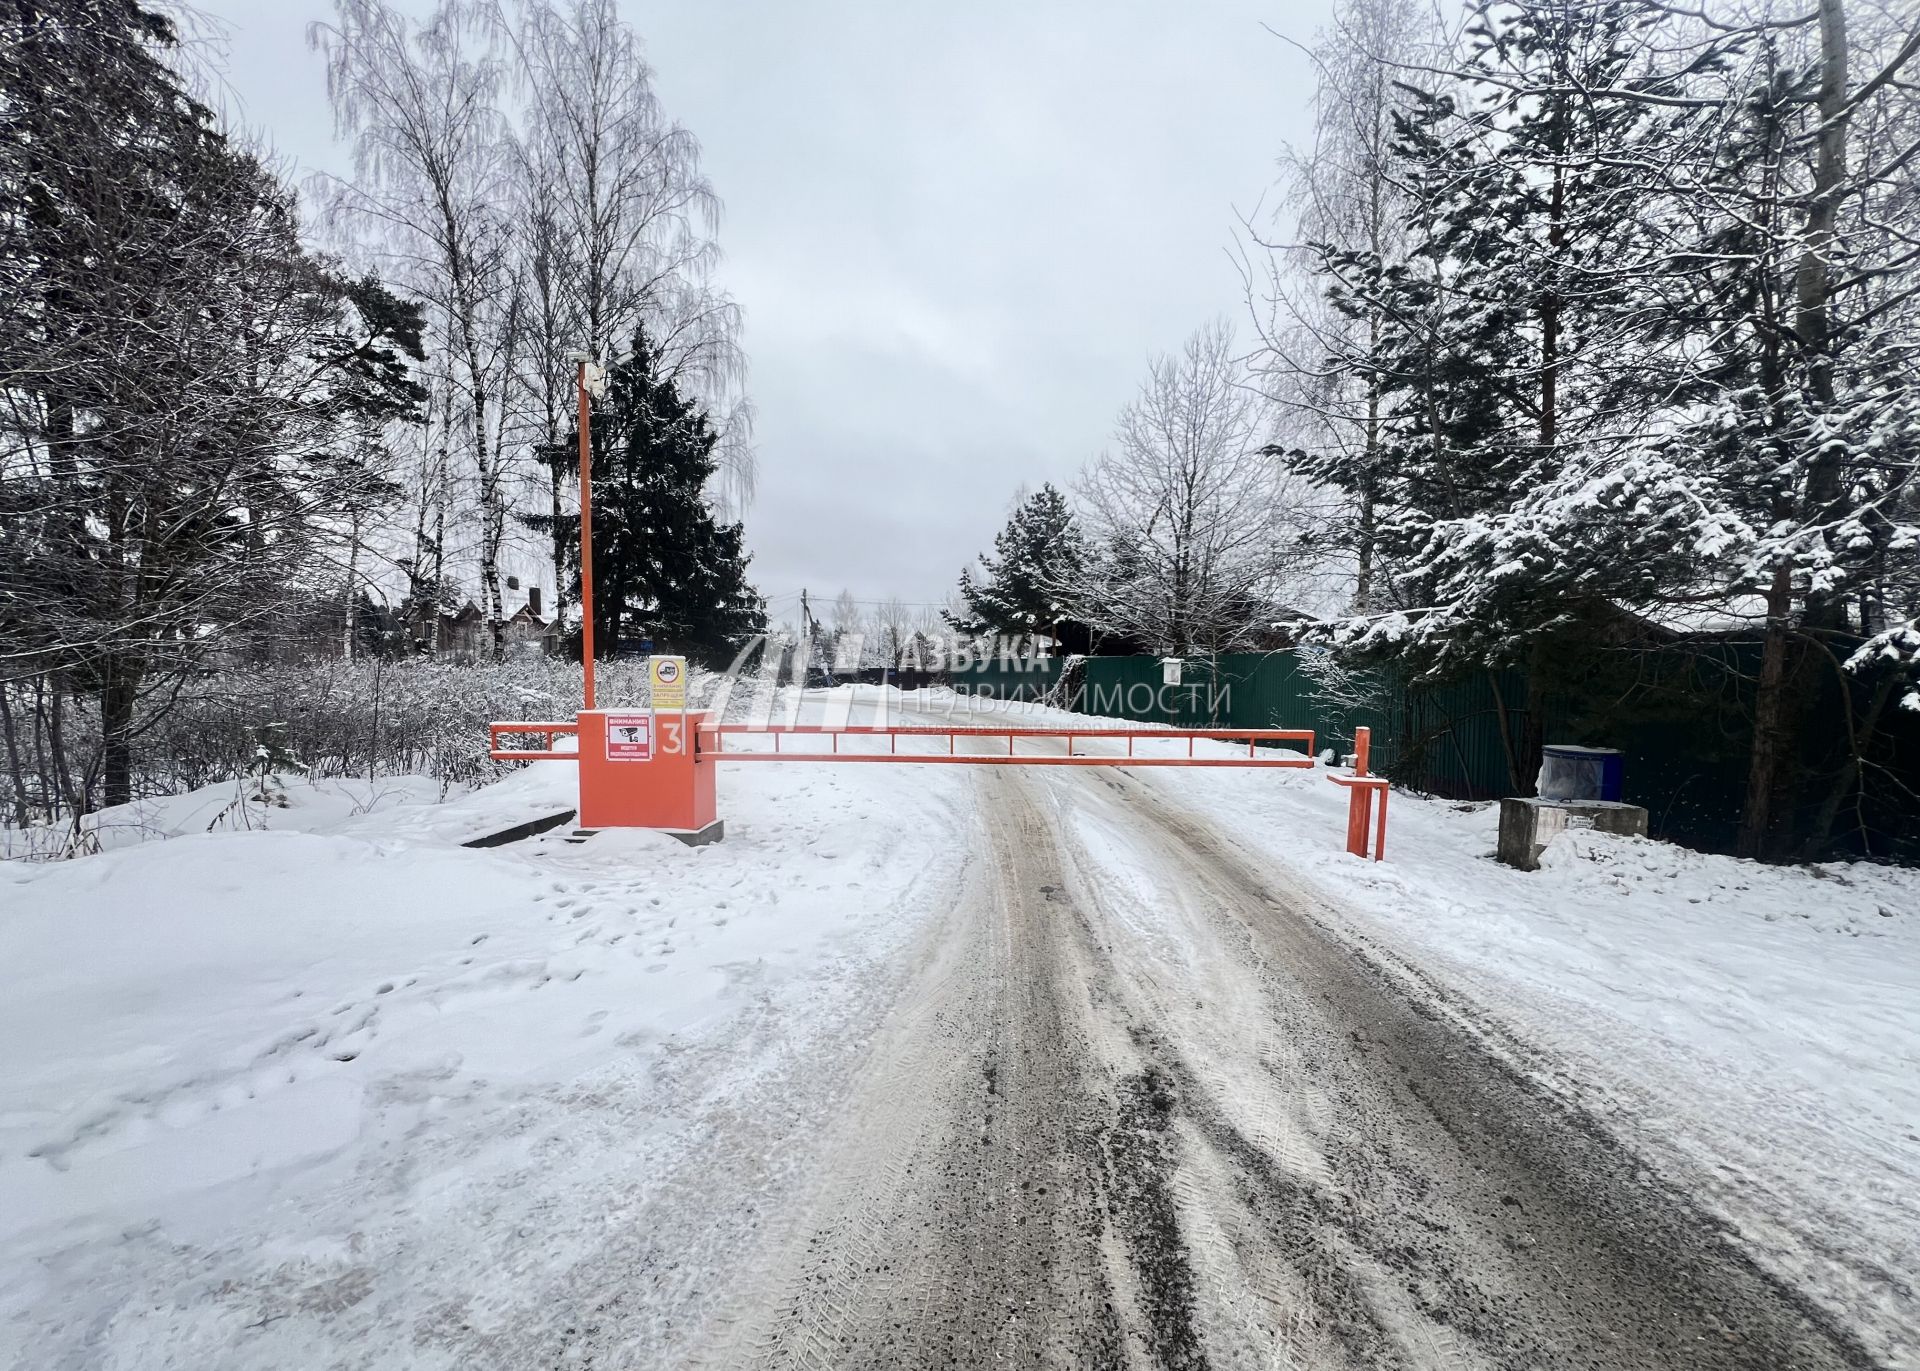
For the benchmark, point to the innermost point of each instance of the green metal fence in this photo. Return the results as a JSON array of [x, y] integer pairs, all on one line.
[[1682, 717], [1446, 739]]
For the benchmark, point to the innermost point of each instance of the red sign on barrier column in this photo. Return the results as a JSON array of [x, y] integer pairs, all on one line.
[[630, 737]]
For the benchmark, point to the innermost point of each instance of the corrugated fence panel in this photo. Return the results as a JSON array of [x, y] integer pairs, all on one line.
[[1686, 764], [1446, 739]]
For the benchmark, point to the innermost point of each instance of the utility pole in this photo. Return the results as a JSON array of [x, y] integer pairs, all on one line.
[[811, 628]]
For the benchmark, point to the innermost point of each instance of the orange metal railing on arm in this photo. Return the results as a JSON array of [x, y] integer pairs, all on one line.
[[697, 745], [1072, 739], [548, 730]]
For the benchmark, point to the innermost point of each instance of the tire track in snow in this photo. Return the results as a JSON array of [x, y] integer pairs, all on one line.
[[1171, 1121], [1486, 1223]]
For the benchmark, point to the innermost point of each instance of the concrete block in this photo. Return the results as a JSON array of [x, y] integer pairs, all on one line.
[[693, 837], [1528, 825], [521, 830]]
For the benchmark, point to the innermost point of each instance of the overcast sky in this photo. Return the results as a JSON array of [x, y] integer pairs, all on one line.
[[957, 232]]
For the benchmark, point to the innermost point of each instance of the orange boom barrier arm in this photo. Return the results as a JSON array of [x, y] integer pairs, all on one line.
[[655, 769]]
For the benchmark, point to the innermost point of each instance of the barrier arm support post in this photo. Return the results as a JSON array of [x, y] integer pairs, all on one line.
[[1361, 789]]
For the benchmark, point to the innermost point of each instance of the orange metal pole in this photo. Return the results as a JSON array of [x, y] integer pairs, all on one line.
[[586, 534], [1362, 746]]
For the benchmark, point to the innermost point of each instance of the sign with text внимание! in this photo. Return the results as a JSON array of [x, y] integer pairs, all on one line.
[[630, 737]]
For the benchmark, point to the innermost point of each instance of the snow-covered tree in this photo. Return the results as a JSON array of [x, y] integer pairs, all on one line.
[[1349, 191], [619, 222], [1696, 327], [432, 187], [181, 380], [1036, 563], [893, 622], [848, 638]]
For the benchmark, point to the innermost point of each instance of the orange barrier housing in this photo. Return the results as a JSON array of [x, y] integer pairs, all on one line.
[[665, 782], [672, 787]]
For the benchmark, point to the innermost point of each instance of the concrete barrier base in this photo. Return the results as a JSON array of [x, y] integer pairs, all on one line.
[[692, 837], [1528, 825]]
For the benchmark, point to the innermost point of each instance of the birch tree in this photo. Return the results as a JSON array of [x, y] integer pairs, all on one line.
[[1348, 191], [420, 106], [633, 217], [1179, 514], [895, 623]]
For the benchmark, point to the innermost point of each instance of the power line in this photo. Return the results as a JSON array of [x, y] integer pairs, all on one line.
[[907, 604]]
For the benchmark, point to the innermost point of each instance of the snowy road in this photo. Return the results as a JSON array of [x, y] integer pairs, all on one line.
[[1136, 1108], [925, 1067]]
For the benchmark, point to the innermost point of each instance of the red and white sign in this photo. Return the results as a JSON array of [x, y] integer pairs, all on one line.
[[630, 737]]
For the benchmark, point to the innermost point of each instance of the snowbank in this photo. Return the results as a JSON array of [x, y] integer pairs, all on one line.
[[254, 1077], [296, 805]]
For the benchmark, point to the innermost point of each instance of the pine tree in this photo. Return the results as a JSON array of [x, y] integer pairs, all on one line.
[[1037, 557], [1445, 351], [1805, 439], [1716, 330], [1517, 357], [1522, 354], [663, 568], [178, 371]]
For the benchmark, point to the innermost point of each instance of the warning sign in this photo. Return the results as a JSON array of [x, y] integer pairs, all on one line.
[[668, 676], [630, 737]]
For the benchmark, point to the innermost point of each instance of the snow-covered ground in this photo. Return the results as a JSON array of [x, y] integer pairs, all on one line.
[[266, 1075], [1755, 1029], [325, 1065], [288, 803]]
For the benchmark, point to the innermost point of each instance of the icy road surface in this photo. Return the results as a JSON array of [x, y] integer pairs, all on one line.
[[1137, 1109]]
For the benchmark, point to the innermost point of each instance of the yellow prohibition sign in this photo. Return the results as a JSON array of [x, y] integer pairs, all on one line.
[[667, 680]]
